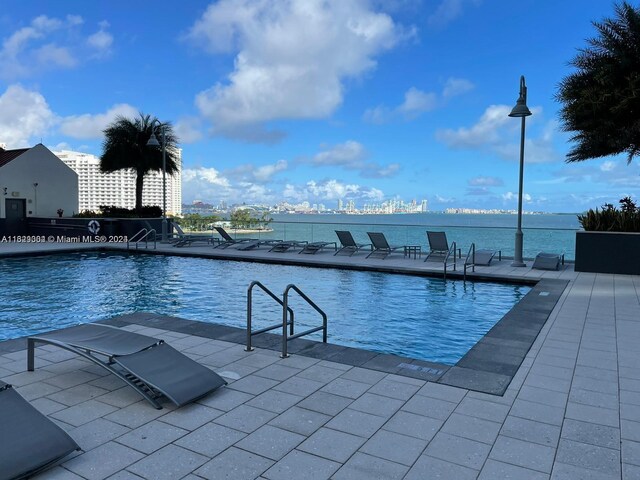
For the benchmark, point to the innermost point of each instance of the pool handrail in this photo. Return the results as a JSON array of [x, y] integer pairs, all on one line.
[[446, 258], [143, 236], [285, 306], [250, 333]]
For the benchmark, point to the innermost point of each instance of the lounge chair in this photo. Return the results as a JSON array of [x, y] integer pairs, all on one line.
[[315, 247], [480, 257], [348, 243], [146, 364], [228, 241], [438, 245], [381, 246], [182, 239], [548, 261], [288, 244], [29, 441]]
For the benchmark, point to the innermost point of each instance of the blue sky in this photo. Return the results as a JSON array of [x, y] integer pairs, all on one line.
[[294, 100]]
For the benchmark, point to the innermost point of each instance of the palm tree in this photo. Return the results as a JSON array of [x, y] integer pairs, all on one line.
[[125, 147], [602, 98]]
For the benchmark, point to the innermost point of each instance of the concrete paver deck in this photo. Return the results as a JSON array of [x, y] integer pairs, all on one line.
[[572, 409]]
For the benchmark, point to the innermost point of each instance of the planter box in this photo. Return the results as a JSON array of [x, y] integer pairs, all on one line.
[[608, 252]]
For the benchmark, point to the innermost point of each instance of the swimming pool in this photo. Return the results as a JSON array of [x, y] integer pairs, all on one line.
[[417, 317]]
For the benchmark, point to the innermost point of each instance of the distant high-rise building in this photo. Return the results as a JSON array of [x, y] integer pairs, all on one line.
[[351, 206], [119, 188], [340, 205], [424, 207]]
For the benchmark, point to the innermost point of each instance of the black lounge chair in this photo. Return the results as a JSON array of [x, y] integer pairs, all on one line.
[[181, 239], [150, 366], [315, 247], [228, 241], [548, 261], [380, 245], [288, 244], [439, 246], [481, 257], [29, 441], [348, 244]]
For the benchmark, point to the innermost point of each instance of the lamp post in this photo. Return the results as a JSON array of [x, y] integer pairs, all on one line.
[[153, 142], [520, 111]]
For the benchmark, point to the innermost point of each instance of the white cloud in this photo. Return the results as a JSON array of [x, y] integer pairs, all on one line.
[[352, 155], [509, 196], [188, 129], [497, 132], [349, 154], [251, 173], [377, 115], [441, 199], [101, 40], [206, 184], [202, 174], [52, 54], [48, 43], [24, 115], [608, 166], [211, 185], [329, 191], [264, 173], [456, 86], [373, 170], [613, 173], [92, 126], [486, 130], [417, 102], [30, 48], [333, 190], [447, 11], [291, 59], [482, 181]]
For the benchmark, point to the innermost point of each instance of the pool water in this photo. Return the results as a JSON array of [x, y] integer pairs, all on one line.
[[417, 317]]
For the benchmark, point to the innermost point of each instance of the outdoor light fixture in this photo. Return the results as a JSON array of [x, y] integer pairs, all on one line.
[[520, 111], [153, 142], [35, 196]]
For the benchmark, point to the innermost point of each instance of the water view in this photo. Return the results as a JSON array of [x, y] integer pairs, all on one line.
[[542, 232]]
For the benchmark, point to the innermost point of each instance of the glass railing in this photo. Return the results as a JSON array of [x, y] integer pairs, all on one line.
[[536, 240]]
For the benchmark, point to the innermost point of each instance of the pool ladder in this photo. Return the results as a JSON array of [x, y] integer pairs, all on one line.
[[143, 237], [287, 316]]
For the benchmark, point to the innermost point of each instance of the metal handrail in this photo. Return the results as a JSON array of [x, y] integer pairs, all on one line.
[[472, 253], [250, 333], [285, 306], [453, 249], [143, 237]]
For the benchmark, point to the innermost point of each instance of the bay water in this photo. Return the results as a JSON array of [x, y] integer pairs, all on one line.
[[554, 233]]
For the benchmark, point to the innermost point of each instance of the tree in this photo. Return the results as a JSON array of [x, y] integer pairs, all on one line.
[[241, 218], [602, 98], [125, 147]]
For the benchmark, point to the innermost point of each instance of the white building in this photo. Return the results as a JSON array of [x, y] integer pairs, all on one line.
[[35, 183], [119, 188]]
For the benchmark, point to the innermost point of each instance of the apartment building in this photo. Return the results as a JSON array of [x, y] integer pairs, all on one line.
[[119, 188]]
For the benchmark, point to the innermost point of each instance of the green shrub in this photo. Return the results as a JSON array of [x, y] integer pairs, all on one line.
[[611, 219]]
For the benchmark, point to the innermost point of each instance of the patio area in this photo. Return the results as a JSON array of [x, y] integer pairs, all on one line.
[[572, 410]]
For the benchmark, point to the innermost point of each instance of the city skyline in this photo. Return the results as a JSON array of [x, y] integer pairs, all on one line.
[[308, 100]]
